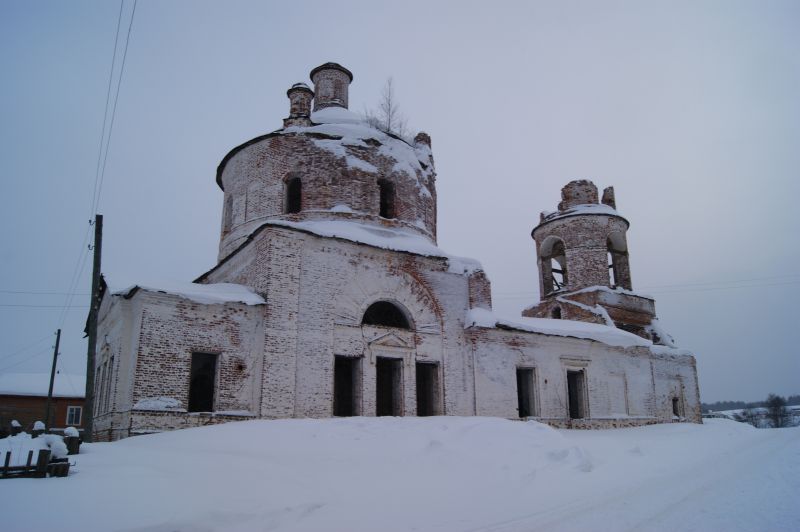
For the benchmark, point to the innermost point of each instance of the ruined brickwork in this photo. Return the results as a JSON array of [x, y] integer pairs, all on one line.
[[330, 224]]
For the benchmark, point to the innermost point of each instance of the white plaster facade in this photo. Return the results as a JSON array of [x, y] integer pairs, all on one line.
[[312, 282]]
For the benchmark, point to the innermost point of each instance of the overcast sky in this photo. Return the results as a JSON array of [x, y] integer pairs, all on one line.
[[691, 110]]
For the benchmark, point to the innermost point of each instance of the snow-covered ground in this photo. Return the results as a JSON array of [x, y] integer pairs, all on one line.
[[442, 473]]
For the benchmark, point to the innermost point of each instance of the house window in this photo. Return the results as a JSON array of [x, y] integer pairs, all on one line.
[[201, 382], [74, 415], [294, 195]]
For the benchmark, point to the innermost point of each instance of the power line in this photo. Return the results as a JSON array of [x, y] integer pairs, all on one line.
[[105, 112], [41, 293], [27, 347], [36, 355], [80, 263], [60, 307], [102, 153], [645, 291], [114, 110]]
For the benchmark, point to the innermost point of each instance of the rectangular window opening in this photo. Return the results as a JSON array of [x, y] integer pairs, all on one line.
[[201, 382], [389, 387], [74, 415], [525, 392], [428, 397], [576, 386], [346, 386]]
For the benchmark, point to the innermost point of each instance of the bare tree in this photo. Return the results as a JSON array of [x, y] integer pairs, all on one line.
[[387, 116], [776, 410], [747, 415]]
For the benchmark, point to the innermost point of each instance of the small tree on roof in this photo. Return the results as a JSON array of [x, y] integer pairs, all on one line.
[[387, 116]]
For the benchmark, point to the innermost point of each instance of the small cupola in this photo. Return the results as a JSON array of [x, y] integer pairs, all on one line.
[[331, 85], [300, 96]]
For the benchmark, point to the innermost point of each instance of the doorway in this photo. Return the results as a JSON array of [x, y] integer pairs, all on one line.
[[346, 385], [427, 389], [576, 391], [389, 386], [525, 392]]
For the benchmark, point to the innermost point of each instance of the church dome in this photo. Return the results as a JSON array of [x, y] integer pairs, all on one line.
[[329, 164]]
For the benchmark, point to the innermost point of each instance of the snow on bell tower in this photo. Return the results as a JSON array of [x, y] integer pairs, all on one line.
[[584, 274]]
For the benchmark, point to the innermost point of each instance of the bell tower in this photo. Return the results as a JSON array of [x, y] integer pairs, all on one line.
[[584, 273]]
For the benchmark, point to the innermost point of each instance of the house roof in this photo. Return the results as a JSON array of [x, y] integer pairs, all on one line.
[[37, 384]]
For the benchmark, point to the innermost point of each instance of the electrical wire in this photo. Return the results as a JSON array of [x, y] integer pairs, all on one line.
[[105, 140]]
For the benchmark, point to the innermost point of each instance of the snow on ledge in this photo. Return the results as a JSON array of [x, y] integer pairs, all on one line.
[[479, 317], [159, 404], [587, 208], [208, 294], [391, 238]]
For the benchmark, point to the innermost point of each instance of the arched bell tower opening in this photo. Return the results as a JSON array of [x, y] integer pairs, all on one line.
[[553, 265], [618, 270], [584, 273]]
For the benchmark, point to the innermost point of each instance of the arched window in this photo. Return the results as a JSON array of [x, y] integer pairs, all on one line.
[[553, 264], [556, 313], [618, 270], [294, 195], [387, 199], [386, 314]]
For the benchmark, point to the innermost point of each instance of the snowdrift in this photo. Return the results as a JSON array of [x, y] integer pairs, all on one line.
[[440, 473]]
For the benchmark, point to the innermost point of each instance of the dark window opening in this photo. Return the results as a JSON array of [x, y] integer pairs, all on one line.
[[294, 195], [427, 389], [387, 199], [201, 382], [389, 387], [676, 407], [525, 388], [227, 221], [386, 314], [556, 314], [576, 389], [345, 386]]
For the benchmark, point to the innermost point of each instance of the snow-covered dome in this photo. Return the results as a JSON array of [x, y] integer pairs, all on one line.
[[327, 164]]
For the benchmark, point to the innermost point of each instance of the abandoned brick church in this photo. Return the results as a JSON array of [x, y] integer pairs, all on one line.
[[331, 298]]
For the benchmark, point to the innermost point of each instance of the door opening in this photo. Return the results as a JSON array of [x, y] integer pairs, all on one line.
[[576, 387], [427, 389], [345, 386], [525, 398], [201, 382], [389, 387]]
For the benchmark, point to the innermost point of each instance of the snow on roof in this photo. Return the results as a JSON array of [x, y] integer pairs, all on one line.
[[336, 115], [395, 239], [479, 317], [588, 208], [352, 130], [64, 384], [208, 294]]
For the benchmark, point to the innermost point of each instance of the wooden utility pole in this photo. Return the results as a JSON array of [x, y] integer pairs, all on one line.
[[52, 378], [94, 306]]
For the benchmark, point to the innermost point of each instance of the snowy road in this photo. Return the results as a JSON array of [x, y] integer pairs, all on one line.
[[438, 474]]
